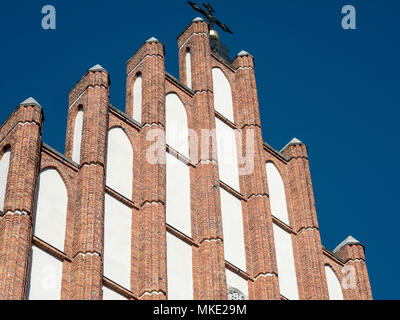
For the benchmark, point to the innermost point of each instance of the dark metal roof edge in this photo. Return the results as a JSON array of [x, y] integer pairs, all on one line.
[[276, 151], [124, 115], [333, 254], [179, 83], [62, 156]]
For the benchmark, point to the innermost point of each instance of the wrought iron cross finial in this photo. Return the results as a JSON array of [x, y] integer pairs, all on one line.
[[209, 14]]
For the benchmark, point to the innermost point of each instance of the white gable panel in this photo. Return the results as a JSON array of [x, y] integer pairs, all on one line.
[[277, 195], [177, 133], [4, 166], [178, 195], [51, 209], [179, 269], [45, 276], [227, 155], [222, 94], [119, 162], [285, 262], [334, 287], [76, 152], [232, 223], [117, 241]]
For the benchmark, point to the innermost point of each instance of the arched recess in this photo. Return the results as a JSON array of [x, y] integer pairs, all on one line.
[[188, 68], [222, 94], [334, 287], [51, 208], [138, 98], [177, 133], [232, 224], [227, 155], [285, 263], [76, 152], [277, 195], [179, 269], [45, 278], [117, 241], [178, 195], [4, 166], [119, 172]]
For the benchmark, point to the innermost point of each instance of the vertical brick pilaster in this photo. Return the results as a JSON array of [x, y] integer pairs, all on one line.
[[16, 224], [149, 61], [92, 91], [261, 256], [359, 288], [209, 273], [312, 282]]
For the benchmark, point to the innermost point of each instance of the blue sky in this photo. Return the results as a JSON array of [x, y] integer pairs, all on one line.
[[336, 90]]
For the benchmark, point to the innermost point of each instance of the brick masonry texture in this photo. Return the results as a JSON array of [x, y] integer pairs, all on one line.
[[82, 277]]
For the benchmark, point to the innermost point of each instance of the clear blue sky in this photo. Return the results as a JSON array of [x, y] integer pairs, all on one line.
[[336, 90]]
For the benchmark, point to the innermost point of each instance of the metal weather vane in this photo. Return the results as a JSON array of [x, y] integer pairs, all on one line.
[[209, 14]]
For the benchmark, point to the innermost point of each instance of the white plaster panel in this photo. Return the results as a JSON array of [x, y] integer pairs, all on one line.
[[227, 155], [137, 99], [51, 209], [232, 222], [189, 69], [178, 195], [119, 162], [285, 262], [235, 281], [179, 269], [117, 241], [334, 287], [76, 151], [4, 166], [109, 294], [45, 276], [277, 195], [177, 133], [222, 94]]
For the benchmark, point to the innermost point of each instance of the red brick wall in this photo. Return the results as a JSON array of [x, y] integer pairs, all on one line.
[[209, 277], [22, 131], [261, 249], [310, 268], [83, 257], [92, 92]]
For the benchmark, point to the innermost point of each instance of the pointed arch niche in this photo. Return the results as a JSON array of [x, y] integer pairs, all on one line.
[[138, 98], [188, 68], [4, 167], [222, 94], [177, 133], [78, 126], [51, 208], [277, 195], [117, 215], [119, 172], [178, 207], [283, 239]]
